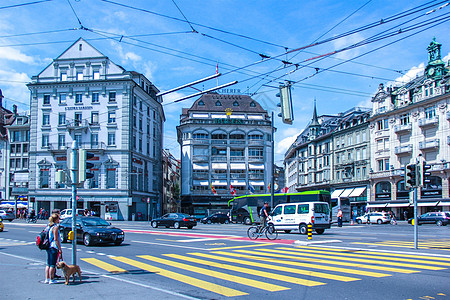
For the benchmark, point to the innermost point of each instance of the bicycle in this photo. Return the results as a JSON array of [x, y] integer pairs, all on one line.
[[257, 231], [393, 222]]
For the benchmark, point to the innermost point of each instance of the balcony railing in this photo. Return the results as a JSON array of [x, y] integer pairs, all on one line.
[[255, 158], [77, 124], [429, 144], [403, 149], [402, 128], [200, 158], [255, 176], [237, 158], [201, 141], [240, 142], [56, 147], [256, 142], [219, 176], [218, 158], [200, 176], [429, 122], [237, 176], [219, 142]]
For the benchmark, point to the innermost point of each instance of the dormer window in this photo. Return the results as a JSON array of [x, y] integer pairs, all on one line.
[[218, 103], [201, 103], [235, 103], [252, 104]]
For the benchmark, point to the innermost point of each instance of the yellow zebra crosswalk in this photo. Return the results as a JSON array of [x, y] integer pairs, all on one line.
[[441, 244], [239, 272]]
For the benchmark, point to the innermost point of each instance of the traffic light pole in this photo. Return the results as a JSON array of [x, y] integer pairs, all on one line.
[[73, 176], [272, 182], [416, 226]]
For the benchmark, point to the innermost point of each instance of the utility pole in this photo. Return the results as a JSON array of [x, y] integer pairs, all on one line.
[[272, 161], [74, 178]]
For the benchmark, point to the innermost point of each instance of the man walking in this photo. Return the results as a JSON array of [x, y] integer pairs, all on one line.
[[339, 218]]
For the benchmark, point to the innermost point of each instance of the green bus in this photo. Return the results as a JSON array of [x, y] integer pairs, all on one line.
[[244, 209]]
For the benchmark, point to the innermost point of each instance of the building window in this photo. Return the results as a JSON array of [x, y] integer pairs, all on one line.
[[134, 121], [111, 178], [430, 112], [44, 178], [80, 75], [235, 103], [78, 139], [218, 103], [350, 140], [201, 103], [404, 119], [94, 140], [140, 123], [25, 163], [61, 141], [94, 117], [78, 98], [63, 76], [383, 124], [62, 98], [95, 98], [78, 119], [62, 119], [140, 105], [93, 182], [383, 144], [140, 144], [148, 148], [25, 148], [383, 164], [112, 97], [46, 119], [252, 104], [111, 117], [255, 152], [46, 99], [96, 74], [111, 139]]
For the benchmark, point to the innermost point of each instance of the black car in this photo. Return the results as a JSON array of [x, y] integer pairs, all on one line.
[[175, 220], [216, 218], [438, 218], [92, 230]]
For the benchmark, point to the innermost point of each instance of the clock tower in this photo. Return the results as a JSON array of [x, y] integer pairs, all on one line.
[[436, 67]]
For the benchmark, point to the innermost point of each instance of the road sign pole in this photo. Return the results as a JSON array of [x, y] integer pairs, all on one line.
[[272, 161], [416, 229], [73, 176]]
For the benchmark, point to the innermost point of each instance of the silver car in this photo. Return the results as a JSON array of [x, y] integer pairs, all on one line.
[[6, 215]]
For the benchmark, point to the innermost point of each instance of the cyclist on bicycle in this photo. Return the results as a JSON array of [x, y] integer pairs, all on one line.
[[263, 214]]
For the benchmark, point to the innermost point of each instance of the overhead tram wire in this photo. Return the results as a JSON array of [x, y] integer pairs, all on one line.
[[75, 13], [37, 33], [24, 4], [193, 30]]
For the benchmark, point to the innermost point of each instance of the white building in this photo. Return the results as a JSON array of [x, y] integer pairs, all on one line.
[[225, 141], [113, 113], [410, 123]]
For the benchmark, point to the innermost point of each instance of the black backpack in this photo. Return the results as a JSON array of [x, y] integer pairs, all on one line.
[[43, 239]]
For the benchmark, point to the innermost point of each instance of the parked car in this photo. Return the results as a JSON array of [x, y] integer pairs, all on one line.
[[175, 220], [67, 213], [438, 218], [216, 218], [6, 215], [1, 225], [91, 231], [374, 217]]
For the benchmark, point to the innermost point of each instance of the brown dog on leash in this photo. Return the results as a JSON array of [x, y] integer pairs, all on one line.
[[69, 270]]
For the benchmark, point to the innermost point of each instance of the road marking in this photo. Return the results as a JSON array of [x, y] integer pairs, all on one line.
[[254, 272], [267, 266], [287, 254], [169, 245], [103, 265], [309, 250], [397, 246], [236, 247], [382, 251], [209, 286], [238, 279], [355, 259], [306, 265]]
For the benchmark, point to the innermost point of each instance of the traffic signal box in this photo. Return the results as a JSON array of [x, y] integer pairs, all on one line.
[[424, 174], [84, 165], [287, 112], [410, 176]]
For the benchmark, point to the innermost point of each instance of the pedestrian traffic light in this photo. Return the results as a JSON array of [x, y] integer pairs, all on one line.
[[410, 176], [84, 165], [287, 114], [424, 174]]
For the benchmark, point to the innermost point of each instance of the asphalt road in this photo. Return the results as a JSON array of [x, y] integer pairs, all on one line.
[[218, 261]]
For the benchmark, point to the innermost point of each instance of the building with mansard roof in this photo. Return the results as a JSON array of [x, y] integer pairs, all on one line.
[[225, 147], [113, 113]]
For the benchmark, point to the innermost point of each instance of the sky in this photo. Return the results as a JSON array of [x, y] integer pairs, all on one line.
[[360, 44]]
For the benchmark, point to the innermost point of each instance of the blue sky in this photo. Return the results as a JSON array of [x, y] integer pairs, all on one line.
[[158, 43]]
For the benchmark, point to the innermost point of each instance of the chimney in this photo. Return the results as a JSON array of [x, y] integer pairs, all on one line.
[[15, 110]]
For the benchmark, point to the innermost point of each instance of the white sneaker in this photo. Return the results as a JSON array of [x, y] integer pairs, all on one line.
[[52, 281], [46, 281]]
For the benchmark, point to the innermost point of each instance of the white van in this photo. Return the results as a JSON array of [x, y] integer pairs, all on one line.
[[67, 213], [297, 216]]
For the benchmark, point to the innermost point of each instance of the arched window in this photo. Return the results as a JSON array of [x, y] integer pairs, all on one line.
[[383, 190], [432, 189], [401, 192]]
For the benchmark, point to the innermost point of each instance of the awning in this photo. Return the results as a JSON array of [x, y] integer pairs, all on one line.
[[238, 183], [236, 166], [377, 205], [21, 177], [219, 183], [256, 166], [219, 166], [357, 191], [346, 192], [201, 182], [428, 204], [336, 193], [198, 166], [398, 205], [11, 204], [444, 203], [258, 183]]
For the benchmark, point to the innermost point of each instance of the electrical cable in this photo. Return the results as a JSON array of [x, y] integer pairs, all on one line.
[[74, 12], [24, 4], [193, 30]]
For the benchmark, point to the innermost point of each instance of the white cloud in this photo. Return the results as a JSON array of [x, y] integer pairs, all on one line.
[[8, 53], [284, 144], [14, 89], [411, 74], [345, 42]]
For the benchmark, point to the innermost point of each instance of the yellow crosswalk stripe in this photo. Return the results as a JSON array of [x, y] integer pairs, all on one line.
[[305, 265], [211, 273], [209, 286], [385, 253], [265, 266], [290, 255], [395, 246], [309, 250], [103, 265], [236, 247], [289, 279], [355, 259]]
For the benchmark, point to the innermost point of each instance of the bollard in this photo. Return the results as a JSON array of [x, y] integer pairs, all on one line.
[[309, 231]]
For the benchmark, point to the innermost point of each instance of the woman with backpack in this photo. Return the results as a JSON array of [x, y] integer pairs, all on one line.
[[54, 248]]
